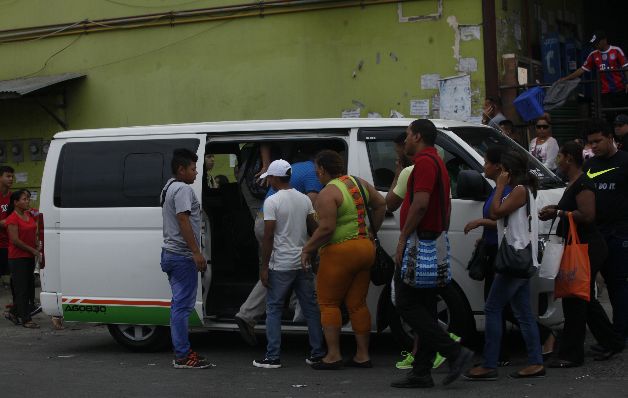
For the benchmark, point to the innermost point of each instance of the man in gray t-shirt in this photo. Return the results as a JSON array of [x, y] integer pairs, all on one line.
[[181, 257]]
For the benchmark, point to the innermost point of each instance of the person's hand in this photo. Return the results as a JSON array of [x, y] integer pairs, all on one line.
[[471, 225], [401, 247], [306, 257], [503, 179], [263, 276], [200, 262], [547, 213]]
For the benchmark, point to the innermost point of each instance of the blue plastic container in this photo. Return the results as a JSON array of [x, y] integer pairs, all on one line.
[[530, 103]]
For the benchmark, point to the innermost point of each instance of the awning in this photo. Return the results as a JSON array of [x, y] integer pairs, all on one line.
[[17, 88]]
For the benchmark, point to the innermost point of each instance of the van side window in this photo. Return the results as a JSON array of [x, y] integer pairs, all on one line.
[[382, 158], [127, 173]]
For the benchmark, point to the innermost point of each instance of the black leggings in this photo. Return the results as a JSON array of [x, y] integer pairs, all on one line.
[[23, 279]]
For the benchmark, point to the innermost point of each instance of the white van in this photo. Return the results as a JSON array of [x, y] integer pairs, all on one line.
[[103, 224]]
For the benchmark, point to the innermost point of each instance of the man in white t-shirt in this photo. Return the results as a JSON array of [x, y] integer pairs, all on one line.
[[288, 217]]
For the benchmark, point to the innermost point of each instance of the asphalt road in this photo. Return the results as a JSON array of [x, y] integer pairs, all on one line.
[[84, 361]]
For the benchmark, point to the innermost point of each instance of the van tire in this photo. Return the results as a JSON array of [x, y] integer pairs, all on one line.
[[461, 322], [146, 339]]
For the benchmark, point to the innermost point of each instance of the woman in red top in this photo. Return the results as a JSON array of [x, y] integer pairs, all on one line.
[[23, 252]]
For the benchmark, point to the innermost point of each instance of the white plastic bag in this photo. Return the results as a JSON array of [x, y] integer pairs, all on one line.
[[552, 255]]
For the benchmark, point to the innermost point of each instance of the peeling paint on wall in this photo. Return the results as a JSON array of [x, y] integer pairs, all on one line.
[[470, 32], [453, 22], [468, 65]]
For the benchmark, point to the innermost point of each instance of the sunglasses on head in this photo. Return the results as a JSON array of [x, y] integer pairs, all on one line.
[[542, 126]]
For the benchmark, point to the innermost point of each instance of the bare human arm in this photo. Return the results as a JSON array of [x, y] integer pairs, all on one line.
[[188, 235], [577, 73], [480, 222], [417, 210], [584, 214], [377, 204], [513, 201], [327, 203], [392, 200], [267, 249], [311, 223], [312, 196]]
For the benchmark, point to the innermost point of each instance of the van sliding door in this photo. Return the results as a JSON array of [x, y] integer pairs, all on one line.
[[108, 191]]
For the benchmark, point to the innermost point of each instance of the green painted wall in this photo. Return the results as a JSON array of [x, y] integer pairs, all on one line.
[[303, 65]]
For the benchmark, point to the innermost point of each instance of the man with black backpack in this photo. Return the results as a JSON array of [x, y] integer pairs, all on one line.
[[423, 258]]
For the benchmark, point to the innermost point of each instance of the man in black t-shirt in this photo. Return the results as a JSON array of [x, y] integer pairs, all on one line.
[[608, 170]]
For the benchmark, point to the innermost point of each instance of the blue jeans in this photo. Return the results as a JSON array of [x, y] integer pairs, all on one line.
[[182, 276], [279, 284], [515, 291]]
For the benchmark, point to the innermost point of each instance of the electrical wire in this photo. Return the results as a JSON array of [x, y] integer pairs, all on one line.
[[154, 50], [52, 56], [59, 30]]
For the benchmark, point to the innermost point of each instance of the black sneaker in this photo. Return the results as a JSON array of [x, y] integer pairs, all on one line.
[[458, 365], [413, 381], [312, 360], [267, 363]]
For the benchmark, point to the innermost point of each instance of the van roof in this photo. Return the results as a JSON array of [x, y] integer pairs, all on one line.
[[255, 125]]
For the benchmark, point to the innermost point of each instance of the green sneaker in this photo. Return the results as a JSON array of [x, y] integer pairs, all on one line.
[[439, 359], [405, 363], [455, 338]]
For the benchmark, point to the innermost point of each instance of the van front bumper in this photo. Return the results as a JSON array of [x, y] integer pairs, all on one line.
[[51, 303]]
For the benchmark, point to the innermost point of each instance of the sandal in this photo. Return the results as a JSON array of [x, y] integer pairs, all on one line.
[[31, 325], [11, 317]]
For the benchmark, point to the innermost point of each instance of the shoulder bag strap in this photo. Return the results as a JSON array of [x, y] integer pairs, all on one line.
[[162, 197], [366, 206], [445, 220]]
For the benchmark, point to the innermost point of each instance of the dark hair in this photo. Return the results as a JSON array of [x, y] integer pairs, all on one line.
[[507, 122], [331, 162], [427, 130], [595, 126], [495, 101], [400, 139], [6, 169], [516, 163], [15, 196], [573, 149], [494, 153], [286, 179], [182, 157], [221, 179]]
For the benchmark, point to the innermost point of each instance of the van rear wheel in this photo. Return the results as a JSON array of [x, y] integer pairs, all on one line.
[[141, 338]]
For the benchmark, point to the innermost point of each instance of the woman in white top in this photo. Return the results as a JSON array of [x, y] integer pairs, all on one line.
[[522, 231], [544, 147]]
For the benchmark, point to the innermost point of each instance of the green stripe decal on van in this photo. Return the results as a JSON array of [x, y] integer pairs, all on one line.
[[125, 314]]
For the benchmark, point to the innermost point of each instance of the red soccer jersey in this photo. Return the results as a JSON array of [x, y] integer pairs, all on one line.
[[26, 231], [423, 179], [4, 205], [611, 59]]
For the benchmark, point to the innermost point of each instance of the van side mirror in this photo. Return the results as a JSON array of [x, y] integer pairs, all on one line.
[[471, 185]]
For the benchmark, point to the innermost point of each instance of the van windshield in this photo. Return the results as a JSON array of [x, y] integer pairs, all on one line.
[[481, 138]]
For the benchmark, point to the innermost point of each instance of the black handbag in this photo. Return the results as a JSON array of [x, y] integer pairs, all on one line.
[[384, 266], [478, 264], [517, 263]]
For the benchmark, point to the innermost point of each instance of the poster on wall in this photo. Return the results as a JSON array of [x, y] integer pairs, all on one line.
[[455, 97]]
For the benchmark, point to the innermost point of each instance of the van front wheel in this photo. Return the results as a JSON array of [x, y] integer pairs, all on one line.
[[141, 338]]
